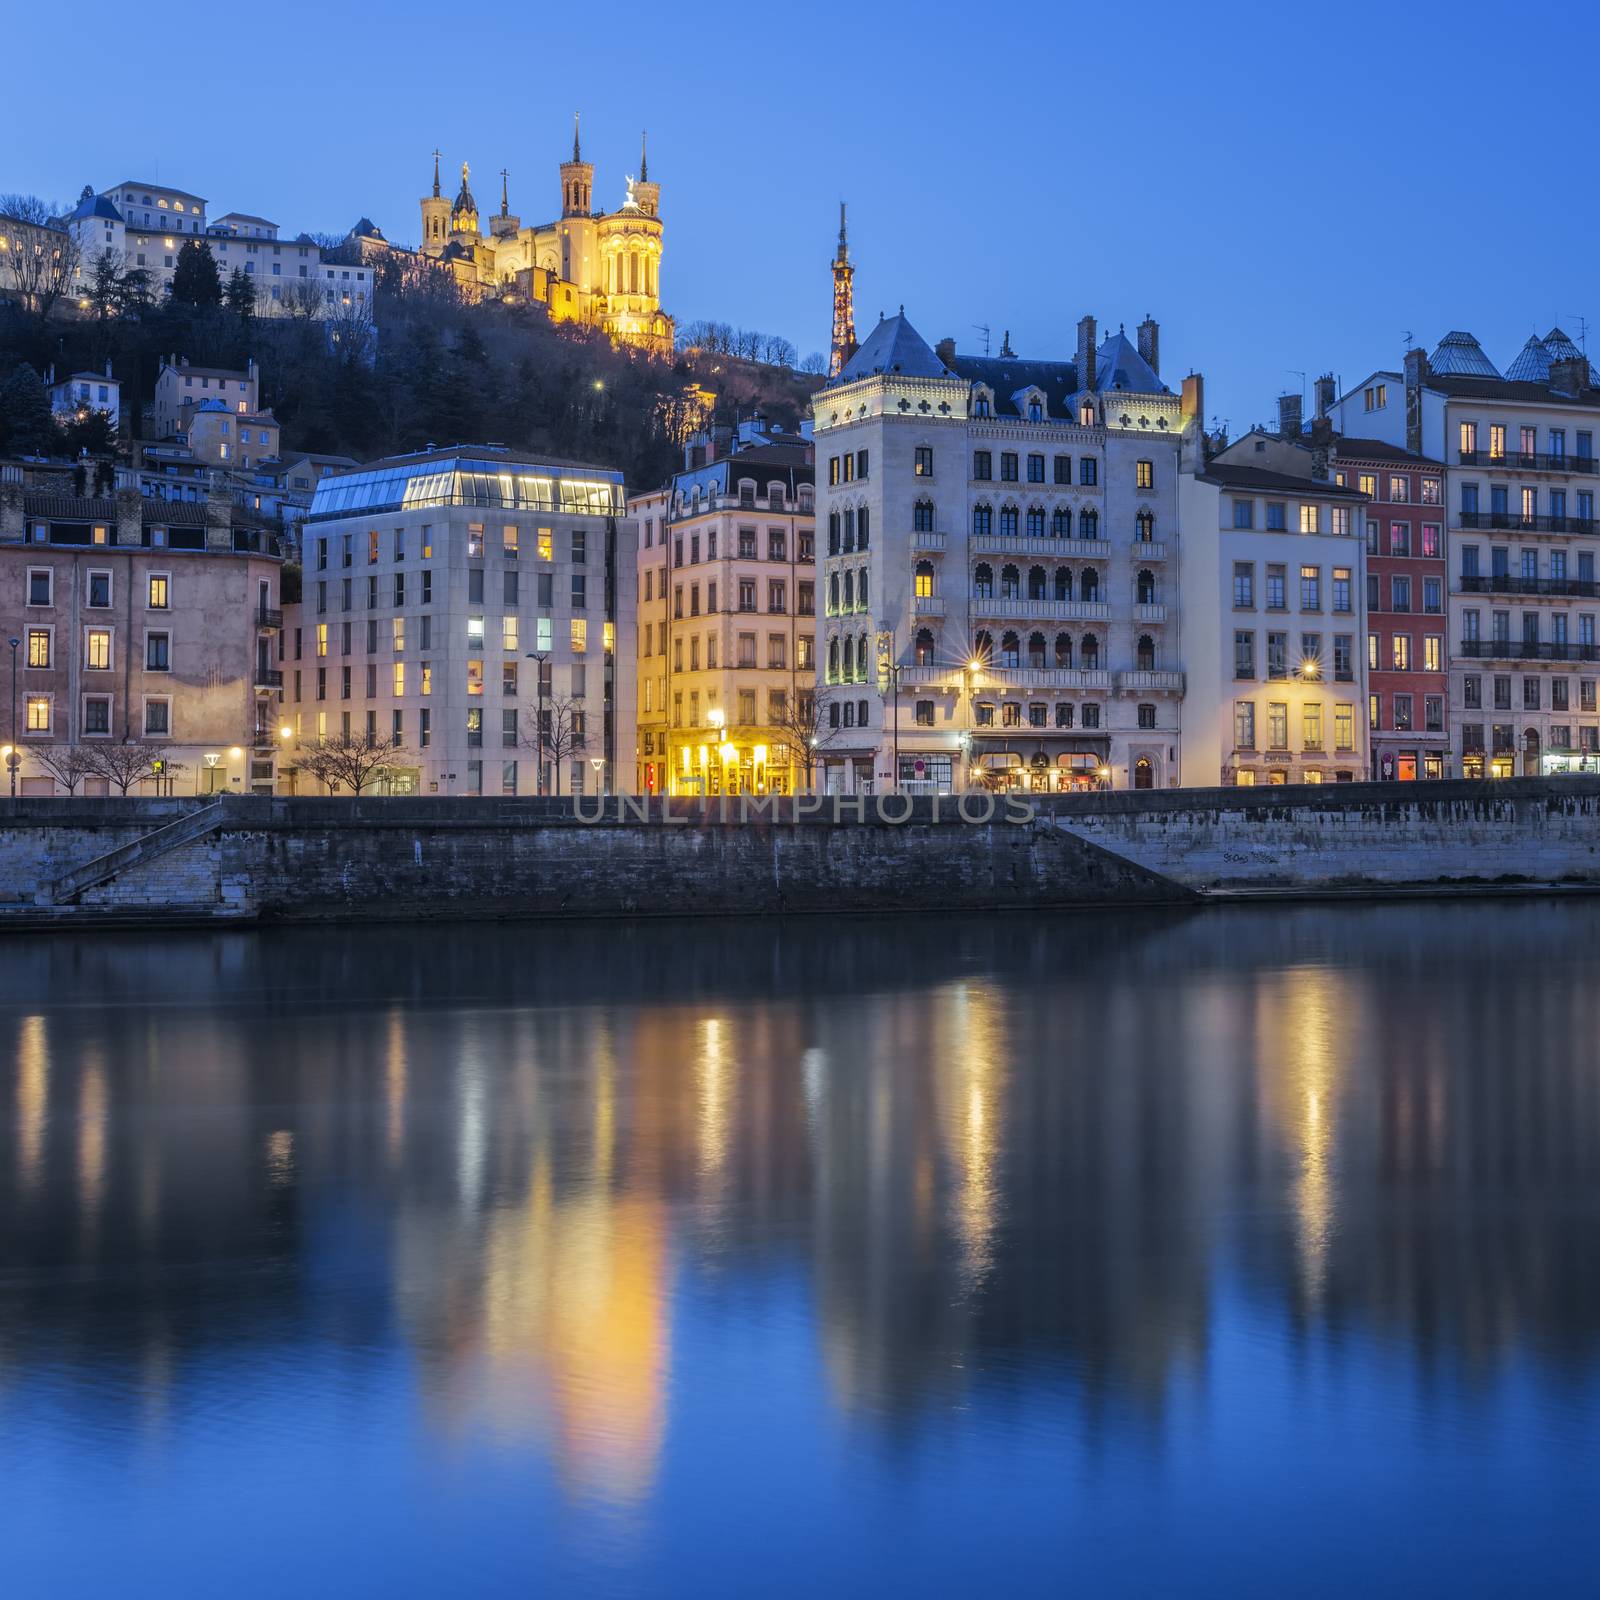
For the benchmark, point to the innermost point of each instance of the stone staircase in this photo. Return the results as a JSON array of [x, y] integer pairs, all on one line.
[[174, 835]]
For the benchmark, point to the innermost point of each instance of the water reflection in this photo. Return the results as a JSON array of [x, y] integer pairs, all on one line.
[[566, 1179]]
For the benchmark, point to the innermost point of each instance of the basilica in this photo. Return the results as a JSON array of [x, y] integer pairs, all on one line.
[[601, 269]]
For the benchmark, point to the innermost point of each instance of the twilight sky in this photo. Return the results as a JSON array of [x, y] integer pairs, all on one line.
[[1283, 187]]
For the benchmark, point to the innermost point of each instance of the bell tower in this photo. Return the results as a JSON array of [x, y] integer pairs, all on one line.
[[435, 216], [646, 195], [844, 304], [506, 223], [577, 180]]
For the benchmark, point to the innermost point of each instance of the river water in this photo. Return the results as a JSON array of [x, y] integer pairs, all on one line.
[[1253, 1252]]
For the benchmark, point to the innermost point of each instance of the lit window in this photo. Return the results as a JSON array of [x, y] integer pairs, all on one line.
[[580, 635], [399, 678], [508, 629], [158, 591], [322, 638], [38, 713], [474, 677], [547, 545], [97, 650]]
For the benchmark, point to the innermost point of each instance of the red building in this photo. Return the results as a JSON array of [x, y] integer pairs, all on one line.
[[1408, 684]]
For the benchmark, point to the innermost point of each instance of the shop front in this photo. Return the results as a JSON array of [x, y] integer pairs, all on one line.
[[1053, 766]]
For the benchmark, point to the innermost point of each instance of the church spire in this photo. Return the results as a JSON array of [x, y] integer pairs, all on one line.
[[436, 155], [577, 149], [644, 158], [505, 193], [844, 303]]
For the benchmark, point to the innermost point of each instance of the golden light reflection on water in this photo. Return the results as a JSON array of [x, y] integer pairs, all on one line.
[[973, 1053], [394, 1081], [92, 1137], [33, 1098]]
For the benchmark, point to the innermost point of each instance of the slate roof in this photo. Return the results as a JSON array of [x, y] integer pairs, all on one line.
[[1265, 481], [1507, 389], [1350, 449], [91, 204], [366, 228], [1118, 365], [894, 346]]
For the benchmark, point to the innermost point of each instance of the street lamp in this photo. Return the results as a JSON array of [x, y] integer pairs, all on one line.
[[13, 756], [599, 765], [539, 657]]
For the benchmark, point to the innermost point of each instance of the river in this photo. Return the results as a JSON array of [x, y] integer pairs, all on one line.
[[1239, 1252]]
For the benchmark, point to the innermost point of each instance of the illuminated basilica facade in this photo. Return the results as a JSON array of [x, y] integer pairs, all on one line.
[[601, 269]]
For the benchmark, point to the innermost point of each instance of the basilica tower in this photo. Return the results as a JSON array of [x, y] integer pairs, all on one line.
[[844, 304], [464, 213], [646, 195], [577, 180], [435, 216]]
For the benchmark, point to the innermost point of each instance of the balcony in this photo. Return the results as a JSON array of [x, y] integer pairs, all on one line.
[[1017, 610], [1147, 550], [1149, 611], [1148, 681], [1515, 522], [268, 678], [928, 605], [268, 619], [928, 541], [1526, 650], [1022, 544], [992, 679], [1520, 461], [1511, 583]]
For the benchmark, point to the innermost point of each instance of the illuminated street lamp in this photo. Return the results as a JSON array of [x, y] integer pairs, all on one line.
[[13, 756], [540, 657], [599, 765]]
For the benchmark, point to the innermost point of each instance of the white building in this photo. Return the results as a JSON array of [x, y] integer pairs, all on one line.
[[1522, 541], [998, 566], [453, 596], [1272, 569], [82, 392]]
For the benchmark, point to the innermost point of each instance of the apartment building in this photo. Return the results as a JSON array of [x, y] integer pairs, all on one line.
[[1274, 578], [998, 577], [139, 621], [727, 618], [459, 601]]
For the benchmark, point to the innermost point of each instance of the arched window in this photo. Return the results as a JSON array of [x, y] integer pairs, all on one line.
[[849, 591], [1143, 774], [1063, 649], [862, 602], [1008, 522], [1146, 525], [1061, 523], [983, 648], [833, 594], [1035, 411], [1089, 524], [861, 659], [1010, 583], [1010, 650], [924, 647], [849, 529], [1145, 656], [833, 661], [982, 520], [847, 665], [1146, 586], [1089, 585], [923, 580], [1036, 650], [1089, 653], [1036, 522], [922, 516], [983, 581], [1036, 583], [863, 524], [1063, 583]]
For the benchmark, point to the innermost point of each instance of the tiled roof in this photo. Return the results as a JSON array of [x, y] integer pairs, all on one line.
[[1473, 388], [1352, 449], [1260, 478]]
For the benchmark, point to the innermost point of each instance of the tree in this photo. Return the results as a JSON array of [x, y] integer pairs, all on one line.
[[40, 259], [88, 432], [195, 280], [27, 426], [351, 761], [815, 365], [127, 763], [302, 300], [802, 731], [68, 764], [240, 295], [564, 734]]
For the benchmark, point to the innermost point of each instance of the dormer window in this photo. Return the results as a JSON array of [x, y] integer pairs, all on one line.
[[1035, 411], [1086, 414]]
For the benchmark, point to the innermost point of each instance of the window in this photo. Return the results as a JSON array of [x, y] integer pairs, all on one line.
[[1244, 513], [1277, 655], [157, 717], [922, 461], [1341, 589], [38, 647], [1088, 474], [1008, 466], [580, 635], [1308, 518], [156, 591], [97, 714], [1244, 655], [982, 465], [1343, 657], [1244, 584], [1035, 467], [1400, 650], [1277, 725], [97, 649], [1311, 726], [1144, 474], [546, 542], [157, 652], [1277, 519], [1433, 652], [99, 595], [1062, 472], [39, 586], [1277, 586], [1344, 727], [1244, 725], [1311, 588]]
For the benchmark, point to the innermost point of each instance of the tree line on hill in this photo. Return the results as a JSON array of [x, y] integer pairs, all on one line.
[[417, 366]]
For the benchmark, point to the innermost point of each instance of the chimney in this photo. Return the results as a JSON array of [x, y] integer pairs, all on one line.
[[1192, 420], [1086, 354], [1417, 375], [945, 350], [13, 522], [1150, 343], [1327, 392], [1289, 409], [219, 514], [130, 509], [1569, 376]]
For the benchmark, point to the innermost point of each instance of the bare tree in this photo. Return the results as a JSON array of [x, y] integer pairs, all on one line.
[[351, 761], [68, 764], [303, 300], [127, 763], [802, 731], [565, 732], [41, 257]]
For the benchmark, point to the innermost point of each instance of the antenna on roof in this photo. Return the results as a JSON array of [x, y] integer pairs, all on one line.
[[1408, 339], [1581, 322], [1300, 374], [983, 328]]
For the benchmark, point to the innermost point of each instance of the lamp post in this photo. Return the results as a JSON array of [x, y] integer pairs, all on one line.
[[13, 755], [539, 657], [599, 765]]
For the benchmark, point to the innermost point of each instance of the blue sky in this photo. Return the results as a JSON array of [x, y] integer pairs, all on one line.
[[1284, 187]]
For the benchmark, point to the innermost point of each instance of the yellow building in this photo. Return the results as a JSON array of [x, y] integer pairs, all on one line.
[[597, 268], [727, 617]]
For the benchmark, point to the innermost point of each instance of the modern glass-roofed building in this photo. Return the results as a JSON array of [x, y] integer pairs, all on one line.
[[451, 599]]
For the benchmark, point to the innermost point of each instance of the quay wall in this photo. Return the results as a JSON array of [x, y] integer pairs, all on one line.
[[261, 858]]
